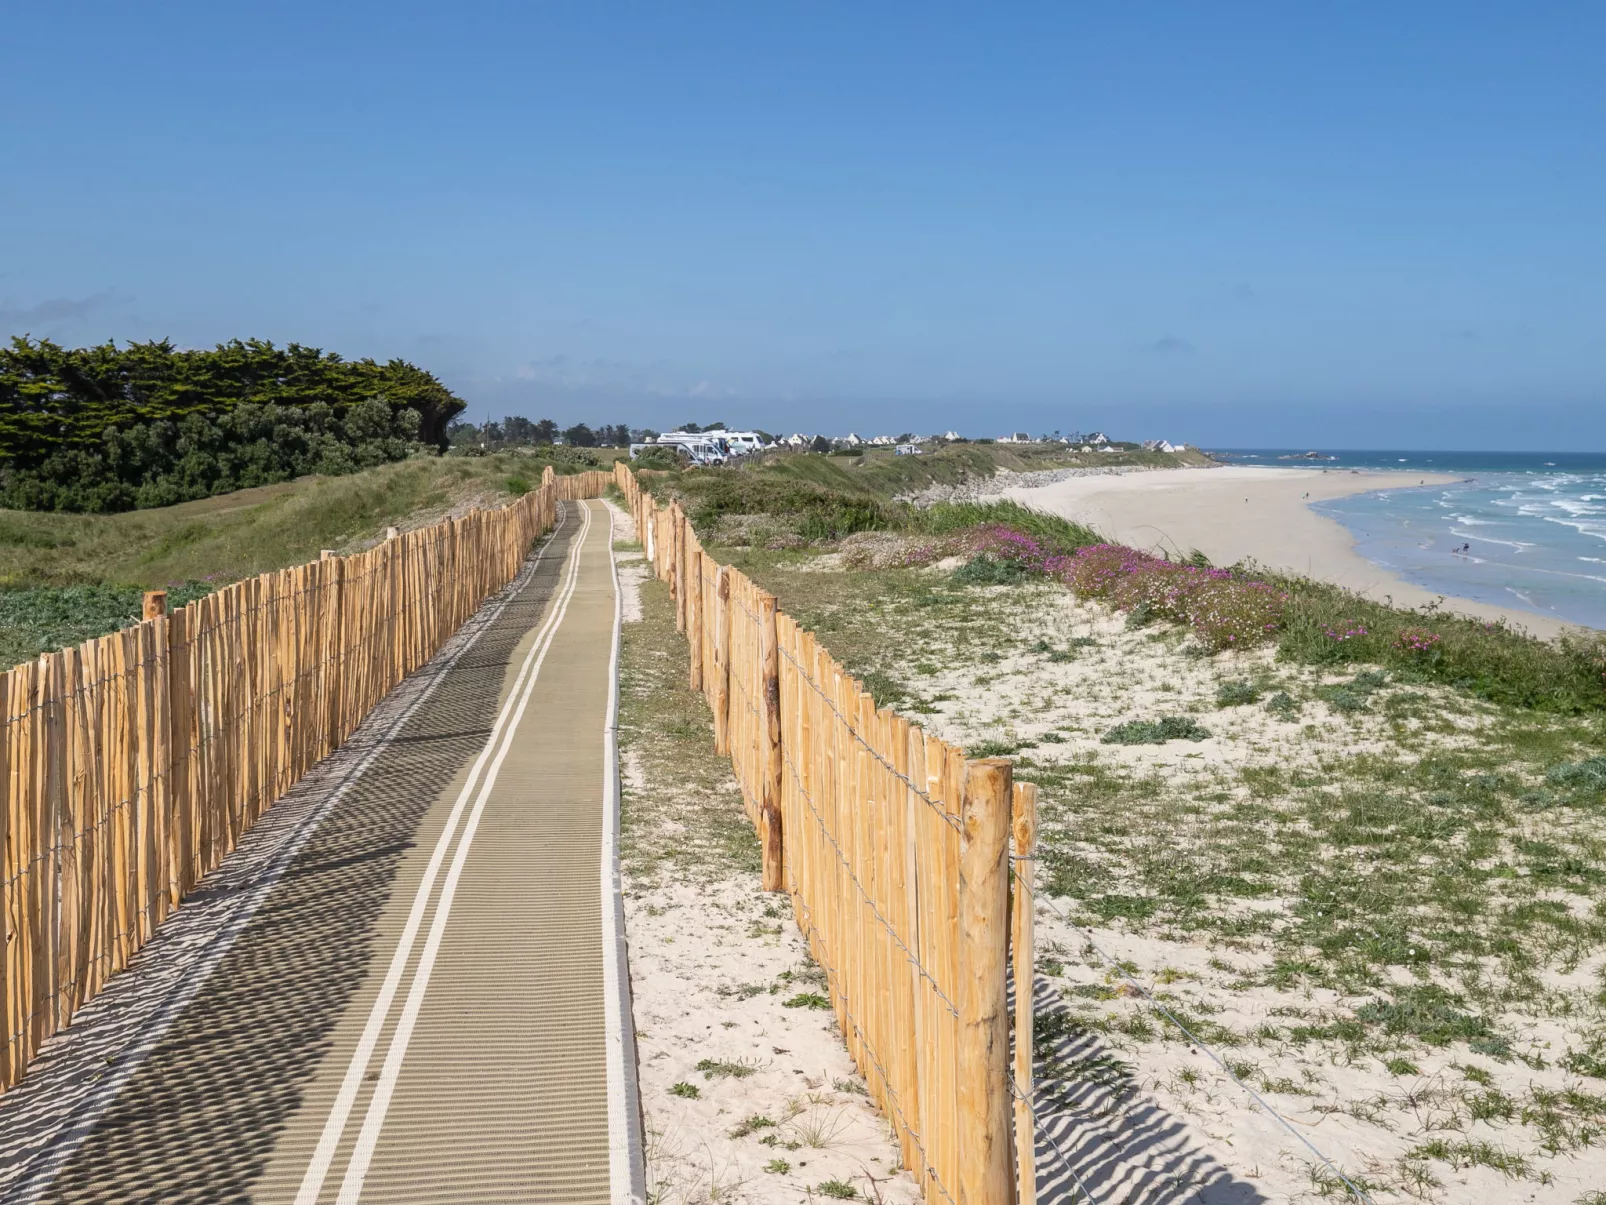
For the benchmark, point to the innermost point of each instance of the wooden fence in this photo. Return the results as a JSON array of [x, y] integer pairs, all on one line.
[[132, 764], [897, 853]]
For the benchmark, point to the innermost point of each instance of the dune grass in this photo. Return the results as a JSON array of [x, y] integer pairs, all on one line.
[[65, 578]]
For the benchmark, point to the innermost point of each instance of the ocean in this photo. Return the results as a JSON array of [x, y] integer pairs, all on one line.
[[1522, 529]]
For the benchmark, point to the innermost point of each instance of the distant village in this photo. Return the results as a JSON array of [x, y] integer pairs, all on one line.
[[715, 442]]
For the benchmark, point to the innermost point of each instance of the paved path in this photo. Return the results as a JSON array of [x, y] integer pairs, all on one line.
[[406, 984]]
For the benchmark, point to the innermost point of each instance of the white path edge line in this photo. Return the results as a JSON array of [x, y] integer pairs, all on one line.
[[340, 1110], [30, 1189], [379, 1104], [626, 1164]]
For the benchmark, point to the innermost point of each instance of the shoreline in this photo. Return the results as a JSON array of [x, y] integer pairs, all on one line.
[[1236, 513]]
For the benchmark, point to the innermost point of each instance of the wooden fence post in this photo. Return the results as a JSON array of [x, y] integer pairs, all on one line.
[[770, 736], [155, 604], [677, 564], [1023, 957], [985, 1171], [721, 695], [694, 614]]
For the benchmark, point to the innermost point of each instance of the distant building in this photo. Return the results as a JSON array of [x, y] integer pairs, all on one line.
[[906, 450], [1015, 437], [952, 436], [1098, 437]]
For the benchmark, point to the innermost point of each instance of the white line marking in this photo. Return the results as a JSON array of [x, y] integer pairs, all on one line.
[[368, 1137], [625, 1174], [29, 1190]]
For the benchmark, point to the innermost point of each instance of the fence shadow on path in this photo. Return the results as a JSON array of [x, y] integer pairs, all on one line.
[[1100, 1139], [199, 1118]]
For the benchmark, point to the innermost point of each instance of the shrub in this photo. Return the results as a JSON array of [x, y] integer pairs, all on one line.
[[1588, 775], [1156, 732], [814, 512], [985, 570], [1236, 694], [1416, 640], [1282, 705], [1225, 609], [993, 749], [517, 486]]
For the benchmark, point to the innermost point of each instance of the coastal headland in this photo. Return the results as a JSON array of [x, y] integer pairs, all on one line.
[[1238, 513]]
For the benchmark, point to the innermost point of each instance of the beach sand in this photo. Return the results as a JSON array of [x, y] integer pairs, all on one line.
[[1240, 513]]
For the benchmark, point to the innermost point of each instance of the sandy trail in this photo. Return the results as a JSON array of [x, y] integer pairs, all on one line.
[[1242, 513]]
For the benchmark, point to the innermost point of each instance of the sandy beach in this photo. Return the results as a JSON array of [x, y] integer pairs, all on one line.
[[1242, 513]]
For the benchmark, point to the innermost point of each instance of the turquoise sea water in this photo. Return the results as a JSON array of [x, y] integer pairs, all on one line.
[[1521, 529]]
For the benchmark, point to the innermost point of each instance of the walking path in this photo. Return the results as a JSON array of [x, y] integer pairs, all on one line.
[[407, 983]]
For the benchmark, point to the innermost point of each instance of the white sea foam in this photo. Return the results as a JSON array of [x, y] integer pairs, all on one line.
[[1519, 545], [1598, 530]]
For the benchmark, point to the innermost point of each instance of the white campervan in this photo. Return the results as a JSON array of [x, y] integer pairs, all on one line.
[[702, 449]]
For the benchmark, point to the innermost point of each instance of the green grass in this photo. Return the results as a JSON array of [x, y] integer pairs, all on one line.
[[681, 815], [66, 577], [1490, 661]]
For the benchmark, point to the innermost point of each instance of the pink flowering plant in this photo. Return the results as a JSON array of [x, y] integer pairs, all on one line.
[[1225, 609], [1416, 640]]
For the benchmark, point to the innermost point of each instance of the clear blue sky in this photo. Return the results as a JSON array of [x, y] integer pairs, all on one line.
[[1342, 225]]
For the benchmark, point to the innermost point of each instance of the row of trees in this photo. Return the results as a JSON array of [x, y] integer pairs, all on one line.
[[515, 431], [112, 428]]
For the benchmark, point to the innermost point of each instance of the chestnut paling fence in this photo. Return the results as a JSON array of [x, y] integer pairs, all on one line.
[[899, 856], [132, 764]]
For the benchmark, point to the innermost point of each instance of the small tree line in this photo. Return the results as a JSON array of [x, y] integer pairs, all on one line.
[[111, 428]]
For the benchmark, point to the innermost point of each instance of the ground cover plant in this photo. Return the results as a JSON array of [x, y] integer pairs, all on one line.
[[45, 619], [1379, 893]]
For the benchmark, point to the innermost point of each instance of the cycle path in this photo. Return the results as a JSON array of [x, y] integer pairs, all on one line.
[[408, 983]]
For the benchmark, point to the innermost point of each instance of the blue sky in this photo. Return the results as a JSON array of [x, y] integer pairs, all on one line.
[[1241, 224]]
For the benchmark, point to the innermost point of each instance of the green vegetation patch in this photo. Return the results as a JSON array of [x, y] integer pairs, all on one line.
[[43, 620], [1156, 732]]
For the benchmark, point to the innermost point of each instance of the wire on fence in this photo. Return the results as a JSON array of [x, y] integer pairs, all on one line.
[[914, 959], [936, 804], [816, 942]]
